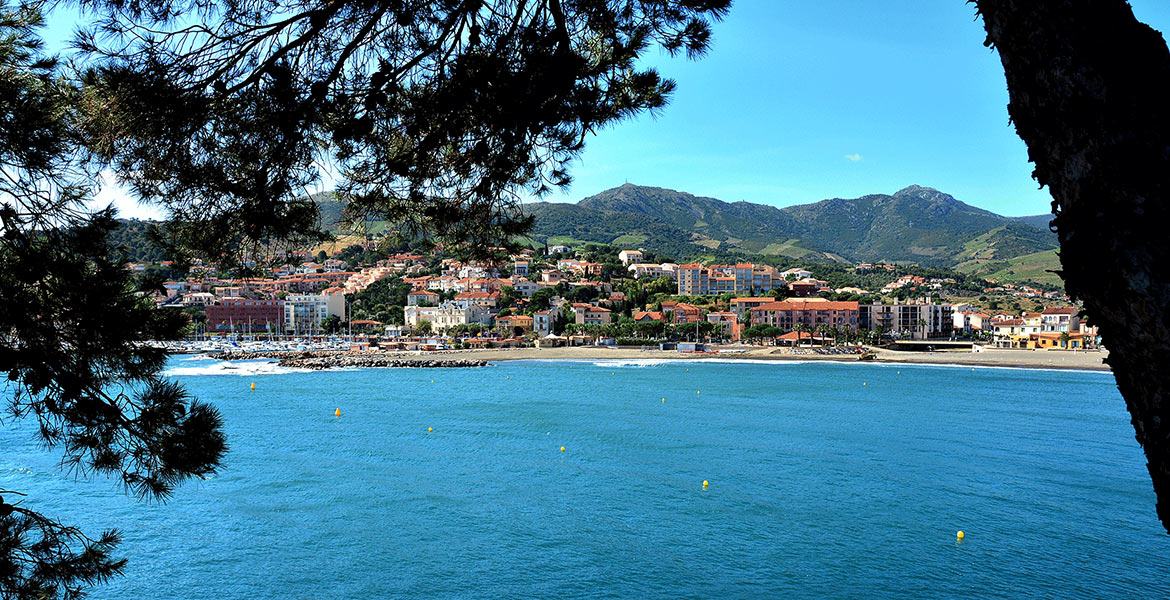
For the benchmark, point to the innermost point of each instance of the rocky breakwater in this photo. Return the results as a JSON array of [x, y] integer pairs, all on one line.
[[376, 360], [334, 359], [275, 354]]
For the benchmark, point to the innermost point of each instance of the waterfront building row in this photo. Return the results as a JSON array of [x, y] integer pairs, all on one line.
[[296, 314]]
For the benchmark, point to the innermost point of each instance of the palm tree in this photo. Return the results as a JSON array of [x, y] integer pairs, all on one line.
[[827, 331], [802, 328]]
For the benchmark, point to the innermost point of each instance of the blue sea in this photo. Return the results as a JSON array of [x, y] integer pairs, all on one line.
[[826, 480]]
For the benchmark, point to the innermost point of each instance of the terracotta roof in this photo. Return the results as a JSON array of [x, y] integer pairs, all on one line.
[[1068, 310]]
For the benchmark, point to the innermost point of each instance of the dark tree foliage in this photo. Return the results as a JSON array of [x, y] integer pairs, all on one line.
[[94, 392], [1089, 86], [67, 560], [436, 113], [356, 255], [391, 291], [92, 388]]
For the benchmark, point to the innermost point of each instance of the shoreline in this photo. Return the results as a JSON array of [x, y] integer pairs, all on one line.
[[1020, 359]]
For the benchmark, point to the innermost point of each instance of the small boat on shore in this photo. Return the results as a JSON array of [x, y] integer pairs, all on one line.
[[867, 355]]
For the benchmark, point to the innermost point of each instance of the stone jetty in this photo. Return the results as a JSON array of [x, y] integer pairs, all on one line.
[[335, 359], [377, 360], [275, 354]]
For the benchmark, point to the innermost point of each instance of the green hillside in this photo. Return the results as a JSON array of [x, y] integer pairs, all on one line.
[[561, 223], [1038, 267], [132, 240], [751, 227], [1005, 242], [916, 224], [1038, 221], [330, 216], [913, 225]]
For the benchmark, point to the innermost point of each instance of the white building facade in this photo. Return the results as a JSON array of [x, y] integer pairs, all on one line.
[[303, 313]]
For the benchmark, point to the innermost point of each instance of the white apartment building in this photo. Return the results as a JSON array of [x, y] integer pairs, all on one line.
[[630, 256], [413, 314], [653, 271], [303, 313], [449, 314], [921, 320]]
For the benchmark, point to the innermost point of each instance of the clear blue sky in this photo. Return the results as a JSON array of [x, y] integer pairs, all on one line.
[[804, 100]]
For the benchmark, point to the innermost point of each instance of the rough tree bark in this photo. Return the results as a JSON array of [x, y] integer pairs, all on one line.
[[1089, 93]]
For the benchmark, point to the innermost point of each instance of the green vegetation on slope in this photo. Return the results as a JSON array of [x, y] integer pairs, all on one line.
[[914, 225], [1038, 267]]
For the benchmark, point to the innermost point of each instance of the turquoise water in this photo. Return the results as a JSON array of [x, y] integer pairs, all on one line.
[[820, 486]]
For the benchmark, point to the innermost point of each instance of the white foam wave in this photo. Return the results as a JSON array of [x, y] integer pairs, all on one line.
[[634, 362], [796, 360], [258, 367]]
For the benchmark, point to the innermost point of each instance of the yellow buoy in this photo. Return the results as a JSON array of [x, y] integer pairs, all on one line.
[[562, 448], [705, 484], [697, 392], [959, 536], [664, 399], [253, 385], [337, 413], [863, 384], [430, 429]]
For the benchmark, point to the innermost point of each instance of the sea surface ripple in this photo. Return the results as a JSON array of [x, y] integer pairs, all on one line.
[[826, 481]]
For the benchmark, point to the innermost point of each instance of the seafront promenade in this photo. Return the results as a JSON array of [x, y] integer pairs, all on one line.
[[1038, 359]]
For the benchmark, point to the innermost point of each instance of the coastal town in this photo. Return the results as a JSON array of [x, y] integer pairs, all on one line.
[[602, 296]]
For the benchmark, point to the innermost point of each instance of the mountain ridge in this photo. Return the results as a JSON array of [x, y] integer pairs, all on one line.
[[914, 224]]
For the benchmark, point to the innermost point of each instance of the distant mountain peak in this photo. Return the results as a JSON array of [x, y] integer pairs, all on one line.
[[916, 189], [930, 195], [916, 224]]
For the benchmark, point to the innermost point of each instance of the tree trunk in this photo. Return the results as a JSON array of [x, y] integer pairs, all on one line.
[[1090, 95]]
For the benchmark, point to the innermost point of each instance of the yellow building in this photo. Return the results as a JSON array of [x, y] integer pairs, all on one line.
[[1050, 340]]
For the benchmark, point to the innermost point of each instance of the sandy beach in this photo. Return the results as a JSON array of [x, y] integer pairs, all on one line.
[[1041, 359]]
